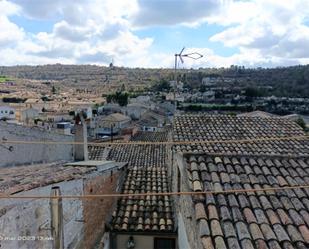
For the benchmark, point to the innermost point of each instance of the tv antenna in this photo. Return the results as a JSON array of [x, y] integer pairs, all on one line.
[[194, 56]]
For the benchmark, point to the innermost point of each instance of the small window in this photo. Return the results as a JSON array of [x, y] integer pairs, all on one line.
[[164, 243]]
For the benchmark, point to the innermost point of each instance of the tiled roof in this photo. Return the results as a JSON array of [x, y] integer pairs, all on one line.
[[22, 178], [150, 136], [115, 117], [264, 219], [98, 152], [147, 173], [200, 128], [139, 155], [275, 147], [226, 127], [146, 213], [135, 155]]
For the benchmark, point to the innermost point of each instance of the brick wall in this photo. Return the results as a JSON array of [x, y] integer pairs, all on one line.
[[97, 211]]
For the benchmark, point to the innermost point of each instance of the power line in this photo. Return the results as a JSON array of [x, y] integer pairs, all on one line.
[[230, 191]]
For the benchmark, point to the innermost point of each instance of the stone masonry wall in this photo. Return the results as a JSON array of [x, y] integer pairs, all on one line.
[[32, 153], [184, 204]]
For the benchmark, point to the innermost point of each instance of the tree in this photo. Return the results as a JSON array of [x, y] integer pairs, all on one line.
[[300, 121], [122, 98], [252, 92], [162, 85], [54, 90]]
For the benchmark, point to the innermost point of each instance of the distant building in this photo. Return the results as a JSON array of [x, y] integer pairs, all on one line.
[[64, 128], [109, 108], [7, 112], [111, 124], [140, 99], [209, 81], [135, 110], [27, 115], [151, 121]]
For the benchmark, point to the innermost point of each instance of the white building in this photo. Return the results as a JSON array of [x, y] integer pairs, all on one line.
[[7, 112], [111, 124], [135, 110], [27, 115]]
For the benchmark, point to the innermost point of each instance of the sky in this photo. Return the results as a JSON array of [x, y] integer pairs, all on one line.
[[147, 33]]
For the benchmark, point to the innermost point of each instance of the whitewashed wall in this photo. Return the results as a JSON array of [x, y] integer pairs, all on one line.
[[32, 153]]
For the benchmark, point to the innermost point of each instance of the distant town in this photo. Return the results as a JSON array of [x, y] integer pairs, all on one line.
[[49, 96], [118, 158]]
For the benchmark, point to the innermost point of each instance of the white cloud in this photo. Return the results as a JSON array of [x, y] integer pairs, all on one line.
[[10, 33], [172, 12], [265, 32]]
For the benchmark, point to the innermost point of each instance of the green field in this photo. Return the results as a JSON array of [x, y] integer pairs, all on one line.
[[4, 78]]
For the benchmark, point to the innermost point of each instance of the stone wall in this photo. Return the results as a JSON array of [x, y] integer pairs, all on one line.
[[31, 218], [97, 211], [33, 153], [184, 204]]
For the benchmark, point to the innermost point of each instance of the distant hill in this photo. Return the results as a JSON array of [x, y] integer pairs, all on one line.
[[284, 81]]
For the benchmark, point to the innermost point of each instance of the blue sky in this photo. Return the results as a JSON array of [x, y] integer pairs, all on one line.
[[147, 33], [169, 39], [32, 25]]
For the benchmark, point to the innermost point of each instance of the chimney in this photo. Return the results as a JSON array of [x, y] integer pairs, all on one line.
[[81, 150]]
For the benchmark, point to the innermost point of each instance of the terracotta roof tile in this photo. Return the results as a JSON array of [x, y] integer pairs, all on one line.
[[23, 178], [269, 219], [229, 230], [260, 244], [203, 228], [226, 127], [262, 219], [207, 243], [215, 228], [233, 243], [200, 211], [147, 173]]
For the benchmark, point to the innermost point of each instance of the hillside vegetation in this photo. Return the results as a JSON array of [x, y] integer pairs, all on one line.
[[284, 81]]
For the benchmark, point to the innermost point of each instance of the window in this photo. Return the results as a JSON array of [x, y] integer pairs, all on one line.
[[164, 243]]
